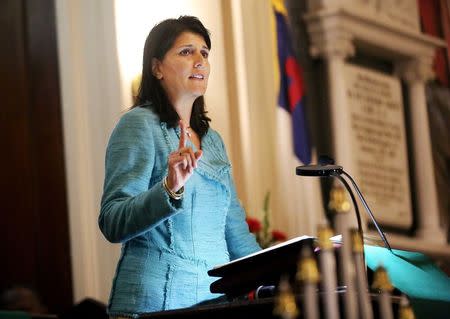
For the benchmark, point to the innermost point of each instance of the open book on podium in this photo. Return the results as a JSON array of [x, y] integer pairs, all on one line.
[[412, 273], [263, 268]]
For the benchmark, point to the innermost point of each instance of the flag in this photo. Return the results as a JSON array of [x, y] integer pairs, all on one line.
[[291, 90], [298, 200]]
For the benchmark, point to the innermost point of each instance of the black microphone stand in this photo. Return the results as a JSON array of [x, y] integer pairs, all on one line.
[[337, 171], [366, 206]]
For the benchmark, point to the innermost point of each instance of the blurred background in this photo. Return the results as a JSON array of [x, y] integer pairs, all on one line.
[[67, 68]]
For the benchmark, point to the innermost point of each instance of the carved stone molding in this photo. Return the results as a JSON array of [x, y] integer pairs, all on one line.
[[401, 14], [332, 43], [339, 30], [316, 5], [415, 70]]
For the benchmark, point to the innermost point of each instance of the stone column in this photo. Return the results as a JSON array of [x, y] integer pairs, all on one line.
[[416, 72], [334, 46]]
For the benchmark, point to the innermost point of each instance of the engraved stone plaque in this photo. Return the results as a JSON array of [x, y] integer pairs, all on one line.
[[378, 143]]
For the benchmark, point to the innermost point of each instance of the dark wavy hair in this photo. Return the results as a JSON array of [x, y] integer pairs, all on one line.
[[160, 39]]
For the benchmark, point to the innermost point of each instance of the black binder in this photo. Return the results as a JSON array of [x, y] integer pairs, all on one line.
[[263, 268]]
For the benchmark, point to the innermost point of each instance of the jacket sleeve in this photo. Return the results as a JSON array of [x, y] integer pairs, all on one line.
[[128, 206]]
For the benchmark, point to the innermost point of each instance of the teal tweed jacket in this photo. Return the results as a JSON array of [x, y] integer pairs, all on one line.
[[167, 245]]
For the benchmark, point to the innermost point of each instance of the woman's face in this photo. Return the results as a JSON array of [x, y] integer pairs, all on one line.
[[184, 70]]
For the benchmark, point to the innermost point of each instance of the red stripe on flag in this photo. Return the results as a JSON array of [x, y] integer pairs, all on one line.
[[295, 82]]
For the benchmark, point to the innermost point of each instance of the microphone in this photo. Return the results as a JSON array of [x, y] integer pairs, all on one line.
[[265, 292], [336, 171], [319, 170]]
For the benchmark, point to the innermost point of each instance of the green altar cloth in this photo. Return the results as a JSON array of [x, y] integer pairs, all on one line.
[[415, 275]]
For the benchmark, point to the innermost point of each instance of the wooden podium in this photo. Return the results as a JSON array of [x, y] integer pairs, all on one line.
[[260, 309], [411, 273]]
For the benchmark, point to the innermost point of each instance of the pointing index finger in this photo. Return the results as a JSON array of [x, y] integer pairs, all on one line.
[[182, 143]]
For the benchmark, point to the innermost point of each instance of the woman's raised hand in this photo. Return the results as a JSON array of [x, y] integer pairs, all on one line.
[[182, 162]]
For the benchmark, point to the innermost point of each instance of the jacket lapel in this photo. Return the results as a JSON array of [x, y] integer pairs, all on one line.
[[213, 163]]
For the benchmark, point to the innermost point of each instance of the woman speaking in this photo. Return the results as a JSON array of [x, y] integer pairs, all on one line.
[[169, 196]]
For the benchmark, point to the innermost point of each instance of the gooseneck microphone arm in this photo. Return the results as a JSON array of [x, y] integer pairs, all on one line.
[[361, 197], [355, 204], [336, 171]]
